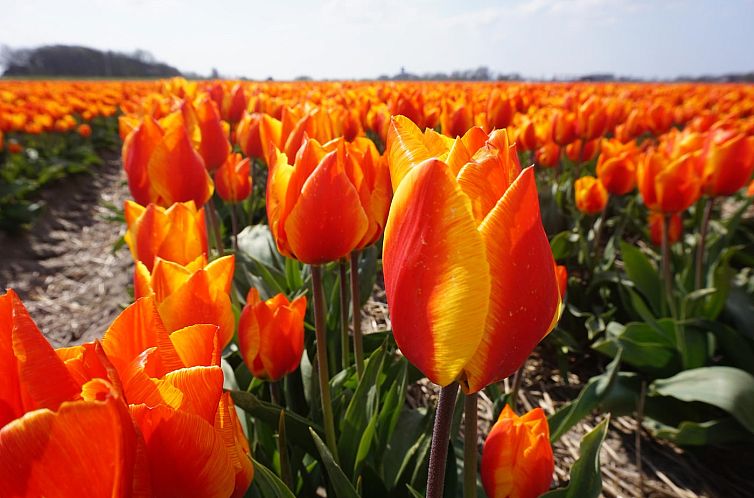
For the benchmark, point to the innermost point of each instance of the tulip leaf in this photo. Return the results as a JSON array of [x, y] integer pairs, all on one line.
[[589, 399], [361, 409], [730, 389], [647, 348], [736, 348], [341, 486], [365, 444], [711, 432], [643, 274], [267, 485], [298, 428], [414, 493], [585, 477]]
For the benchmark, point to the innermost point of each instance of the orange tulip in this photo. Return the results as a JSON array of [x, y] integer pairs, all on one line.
[[247, 135], [314, 208], [271, 335], [579, 152], [237, 103], [517, 459], [469, 274], [233, 179], [548, 155], [84, 130], [214, 146], [750, 190], [456, 118], [176, 234], [563, 128], [162, 166], [173, 383], [591, 196], [668, 185], [616, 167], [591, 119], [675, 227], [192, 294], [500, 110], [728, 162]]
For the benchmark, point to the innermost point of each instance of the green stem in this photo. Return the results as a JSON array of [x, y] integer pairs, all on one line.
[[699, 264], [358, 349], [275, 392], [438, 452], [322, 367], [234, 226], [215, 227], [666, 273], [517, 379], [470, 449], [598, 233], [344, 349]]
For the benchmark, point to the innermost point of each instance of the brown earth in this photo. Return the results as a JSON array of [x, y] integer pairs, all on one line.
[[65, 267]]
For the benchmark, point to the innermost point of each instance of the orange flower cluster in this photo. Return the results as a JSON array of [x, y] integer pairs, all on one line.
[[44, 106]]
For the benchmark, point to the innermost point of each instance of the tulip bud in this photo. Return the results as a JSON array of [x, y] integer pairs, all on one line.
[[517, 459], [591, 196], [616, 167], [233, 179], [271, 335]]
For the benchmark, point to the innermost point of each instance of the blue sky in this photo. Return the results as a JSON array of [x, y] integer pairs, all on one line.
[[366, 38]]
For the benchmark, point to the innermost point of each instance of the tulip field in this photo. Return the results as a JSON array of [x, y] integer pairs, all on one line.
[[389, 289]]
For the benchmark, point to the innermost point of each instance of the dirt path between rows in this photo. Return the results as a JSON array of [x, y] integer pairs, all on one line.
[[65, 268]]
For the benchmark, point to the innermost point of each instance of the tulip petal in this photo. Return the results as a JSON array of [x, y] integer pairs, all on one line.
[[136, 329], [525, 297], [197, 345], [236, 443], [199, 301], [86, 449], [41, 379], [187, 456], [405, 148], [177, 172], [437, 277]]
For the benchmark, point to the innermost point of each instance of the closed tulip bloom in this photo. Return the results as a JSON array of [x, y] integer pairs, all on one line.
[[728, 162], [579, 151], [314, 209], [591, 119], [176, 234], [668, 185], [616, 167], [517, 459], [456, 118], [233, 179], [500, 111], [591, 196], [236, 104], [548, 155], [84, 130], [247, 135], [162, 165], [563, 128], [675, 228], [469, 274], [192, 294], [214, 146], [271, 335]]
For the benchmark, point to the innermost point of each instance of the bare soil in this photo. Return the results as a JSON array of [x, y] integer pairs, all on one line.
[[65, 267]]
